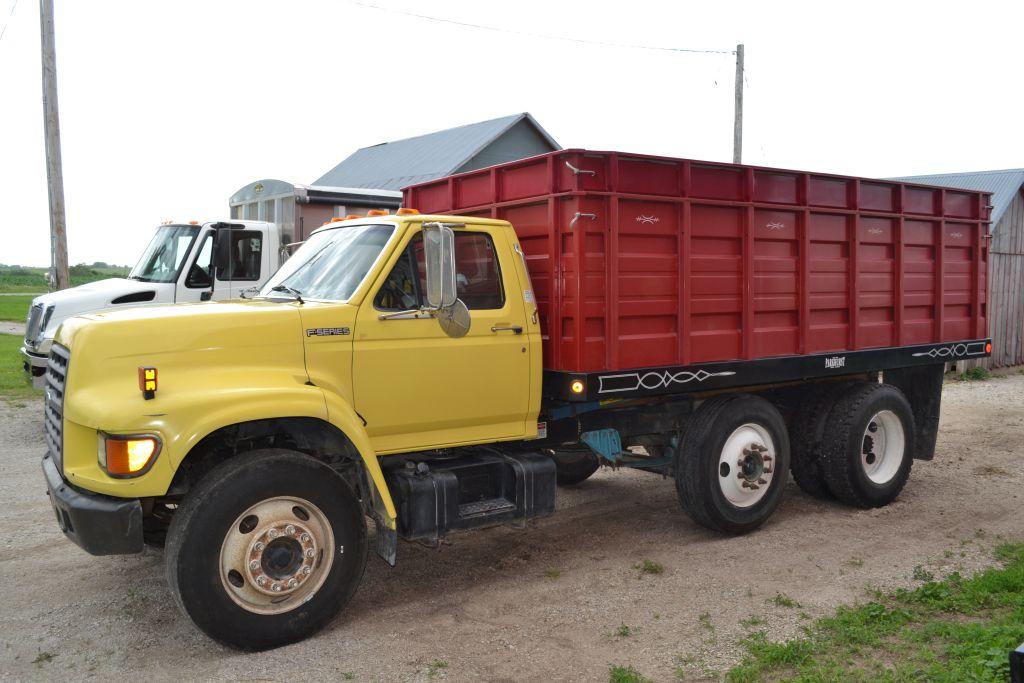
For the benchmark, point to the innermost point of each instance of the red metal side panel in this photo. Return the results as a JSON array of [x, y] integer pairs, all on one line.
[[641, 261]]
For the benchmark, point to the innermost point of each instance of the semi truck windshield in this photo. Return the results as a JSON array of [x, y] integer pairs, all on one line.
[[161, 262], [332, 263]]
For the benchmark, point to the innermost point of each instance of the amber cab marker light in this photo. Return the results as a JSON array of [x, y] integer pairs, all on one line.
[[147, 382], [577, 386], [352, 215], [988, 347], [128, 456], [407, 212], [376, 212]]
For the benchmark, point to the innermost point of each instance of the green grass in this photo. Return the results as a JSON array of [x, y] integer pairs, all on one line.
[[649, 567], [13, 384], [18, 279], [955, 629], [978, 374], [783, 600], [626, 674], [14, 308]]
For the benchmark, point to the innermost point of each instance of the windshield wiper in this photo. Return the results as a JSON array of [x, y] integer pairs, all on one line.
[[288, 290]]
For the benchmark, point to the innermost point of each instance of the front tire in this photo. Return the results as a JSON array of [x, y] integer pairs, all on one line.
[[732, 464], [267, 549], [866, 452]]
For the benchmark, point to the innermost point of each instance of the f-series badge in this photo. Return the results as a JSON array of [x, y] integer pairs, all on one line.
[[326, 331], [835, 362]]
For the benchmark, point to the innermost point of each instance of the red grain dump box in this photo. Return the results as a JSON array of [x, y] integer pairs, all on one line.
[[641, 261]]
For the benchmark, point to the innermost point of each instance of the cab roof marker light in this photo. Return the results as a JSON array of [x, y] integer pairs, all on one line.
[[406, 211], [376, 212]]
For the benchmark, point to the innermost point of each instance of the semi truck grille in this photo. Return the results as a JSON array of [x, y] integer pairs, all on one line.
[[53, 406], [34, 322]]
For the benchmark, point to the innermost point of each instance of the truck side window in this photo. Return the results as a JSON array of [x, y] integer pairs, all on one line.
[[246, 254], [403, 290], [199, 273], [479, 277]]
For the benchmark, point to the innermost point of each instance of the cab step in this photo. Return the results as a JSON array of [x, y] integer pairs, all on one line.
[[476, 488]]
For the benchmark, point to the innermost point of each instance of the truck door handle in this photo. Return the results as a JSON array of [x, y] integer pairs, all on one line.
[[514, 329]]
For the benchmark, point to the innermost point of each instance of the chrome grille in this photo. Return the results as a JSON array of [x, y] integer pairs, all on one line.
[[53, 406], [34, 323]]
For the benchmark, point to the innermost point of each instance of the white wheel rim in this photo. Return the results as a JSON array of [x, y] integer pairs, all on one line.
[[882, 447], [277, 555], [746, 465]]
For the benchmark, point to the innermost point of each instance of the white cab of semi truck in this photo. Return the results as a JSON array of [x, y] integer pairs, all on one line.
[[183, 262]]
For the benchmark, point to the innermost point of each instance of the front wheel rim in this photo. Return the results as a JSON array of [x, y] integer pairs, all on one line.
[[882, 447], [746, 465], [277, 555]]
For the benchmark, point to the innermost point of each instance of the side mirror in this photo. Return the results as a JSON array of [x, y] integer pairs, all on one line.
[[439, 257], [222, 254]]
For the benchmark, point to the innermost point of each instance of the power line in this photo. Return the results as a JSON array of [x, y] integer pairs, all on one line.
[[495, 29], [4, 30]]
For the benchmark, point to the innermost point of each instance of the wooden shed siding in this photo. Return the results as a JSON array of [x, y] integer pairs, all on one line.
[[1006, 290]]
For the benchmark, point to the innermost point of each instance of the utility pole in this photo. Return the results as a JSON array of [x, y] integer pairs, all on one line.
[[737, 126], [51, 131]]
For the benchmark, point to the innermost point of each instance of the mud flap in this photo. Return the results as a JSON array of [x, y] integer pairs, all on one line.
[[923, 388]]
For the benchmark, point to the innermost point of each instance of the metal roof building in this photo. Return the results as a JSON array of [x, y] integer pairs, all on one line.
[[393, 165], [1006, 256]]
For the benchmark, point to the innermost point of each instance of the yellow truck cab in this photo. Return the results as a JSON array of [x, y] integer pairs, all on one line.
[[350, 353]]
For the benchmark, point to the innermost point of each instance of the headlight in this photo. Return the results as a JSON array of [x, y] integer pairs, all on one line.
[[46, 321], [128, 455]]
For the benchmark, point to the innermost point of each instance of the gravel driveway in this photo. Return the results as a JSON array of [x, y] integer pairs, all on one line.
[[544, 603]]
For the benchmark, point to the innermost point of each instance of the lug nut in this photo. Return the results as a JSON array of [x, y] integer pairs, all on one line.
[[258, 546], [309, 552], [272, 533], [276, 588], [290, 530], [307, 570], [262, 581], [304, 538], [292, 583], [254, 565]]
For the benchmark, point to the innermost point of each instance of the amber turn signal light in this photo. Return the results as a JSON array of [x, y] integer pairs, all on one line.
[[577, 386], [407, 212], [147, 382], [127, 456], [376, 212]]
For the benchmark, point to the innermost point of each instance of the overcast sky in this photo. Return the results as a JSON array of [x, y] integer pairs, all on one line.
[[168, 108]]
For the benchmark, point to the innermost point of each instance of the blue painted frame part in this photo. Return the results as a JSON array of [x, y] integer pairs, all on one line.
[[605, 442]]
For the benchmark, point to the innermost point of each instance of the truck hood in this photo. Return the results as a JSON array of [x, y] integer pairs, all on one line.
[[100, 295], [219, 346]]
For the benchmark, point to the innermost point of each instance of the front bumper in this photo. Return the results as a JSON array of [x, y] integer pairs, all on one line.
[[100, 525], [34, 364]]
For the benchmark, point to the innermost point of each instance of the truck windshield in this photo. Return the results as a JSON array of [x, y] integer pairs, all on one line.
[[161, 262], [332, 263]]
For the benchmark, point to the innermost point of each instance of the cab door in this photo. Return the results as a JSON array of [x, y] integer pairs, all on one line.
[[418, 388]]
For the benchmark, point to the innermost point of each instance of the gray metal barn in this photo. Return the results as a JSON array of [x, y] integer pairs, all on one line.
[[1006, 257]]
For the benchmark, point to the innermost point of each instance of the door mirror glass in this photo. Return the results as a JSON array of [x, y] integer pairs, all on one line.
[[439, 257]]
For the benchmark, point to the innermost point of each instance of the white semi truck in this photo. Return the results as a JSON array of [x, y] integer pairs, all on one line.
[[183, 262]]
